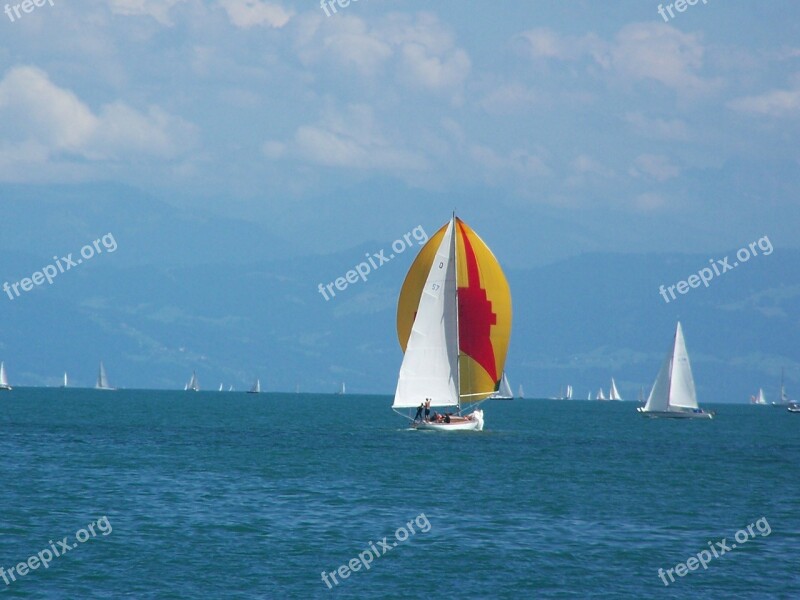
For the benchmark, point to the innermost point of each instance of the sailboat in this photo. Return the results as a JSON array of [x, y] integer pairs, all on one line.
[[230, 389], [102, 379], [600, 395], [504, 392], [759, 399], [220, 387], [65, 380], [4, 378], [193, 385], [520, 392], [453, 325], [613, 393], [783, 397], [673, 394], [342, 391], [256, 389]]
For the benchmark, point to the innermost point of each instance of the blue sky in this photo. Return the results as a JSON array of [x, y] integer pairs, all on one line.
[[570, 126]]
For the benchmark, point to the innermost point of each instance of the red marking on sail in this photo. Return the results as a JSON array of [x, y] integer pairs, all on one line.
[[475, 315]]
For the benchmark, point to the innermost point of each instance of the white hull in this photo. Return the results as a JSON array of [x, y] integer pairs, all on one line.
[[674, 414], [5, 387], [475, 423]]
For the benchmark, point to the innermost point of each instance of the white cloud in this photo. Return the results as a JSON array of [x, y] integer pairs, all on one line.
[[157, 9], [660, 129], [349, 139], [37, 114], [655, 167], [249, 13], [423, 51], [775, 103], [639, 51], [509, 99]]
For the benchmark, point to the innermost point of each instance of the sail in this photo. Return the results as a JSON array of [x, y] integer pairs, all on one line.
[[102, 378], [658, 400], [454, 319], [613, 394], [193, 385], [256, 389], [505, 388], [600, 394], [430, 364], [569, 392], [65, 379], [220, 387], [761, 399], [682, 392], [3, 376], [520, 392]]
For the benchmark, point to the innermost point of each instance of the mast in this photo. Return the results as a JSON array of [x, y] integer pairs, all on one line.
[[454, 255]]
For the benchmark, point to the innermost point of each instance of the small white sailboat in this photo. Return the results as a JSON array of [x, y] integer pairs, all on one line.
[[453, 324], [600, 395], [673, 394], [342, 391], [256, 389], [793, 407], [589, 395], [193, 385], [759, 398], [613, 393], [102, 379], [230, 389], [520, 392], [4, 378], [220, 387], [504, 392], [66, 381], [783, 397]]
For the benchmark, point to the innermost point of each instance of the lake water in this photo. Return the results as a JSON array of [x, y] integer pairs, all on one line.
[[230, 495]]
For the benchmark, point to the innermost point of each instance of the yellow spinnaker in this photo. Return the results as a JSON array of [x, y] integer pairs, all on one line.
[[484, 309]]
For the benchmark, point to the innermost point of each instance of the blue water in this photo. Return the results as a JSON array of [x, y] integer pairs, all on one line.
[[229, 495]]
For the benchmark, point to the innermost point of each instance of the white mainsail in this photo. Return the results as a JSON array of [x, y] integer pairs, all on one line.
[[193, 385], [3, 377], [220, 387], [569, 392], [430, 363], [761, 399], [613, 393], [102, 379], [674, 386], [256, 389], [520, 392], [600, 395], [505, 389], [66, 381]]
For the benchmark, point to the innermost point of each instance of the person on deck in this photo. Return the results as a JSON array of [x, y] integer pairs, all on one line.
[[427, 409], [418, 416]]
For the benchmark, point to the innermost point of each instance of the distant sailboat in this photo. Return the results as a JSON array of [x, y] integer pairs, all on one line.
[[65, 380], [230, 389], [600, 395], [520, 392], [193, 385], [342, 391], [673, 394], [783, 397], [759, 399], [4, 378], [220, 387], [256, 389], [589, 395], [453, 324], [613, 393], [504, 393], [102, 379]]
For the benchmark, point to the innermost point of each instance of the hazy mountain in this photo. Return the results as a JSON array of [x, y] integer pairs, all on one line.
[[230, 300]]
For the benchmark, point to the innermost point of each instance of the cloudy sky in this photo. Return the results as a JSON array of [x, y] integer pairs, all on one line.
[[572, 126]]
